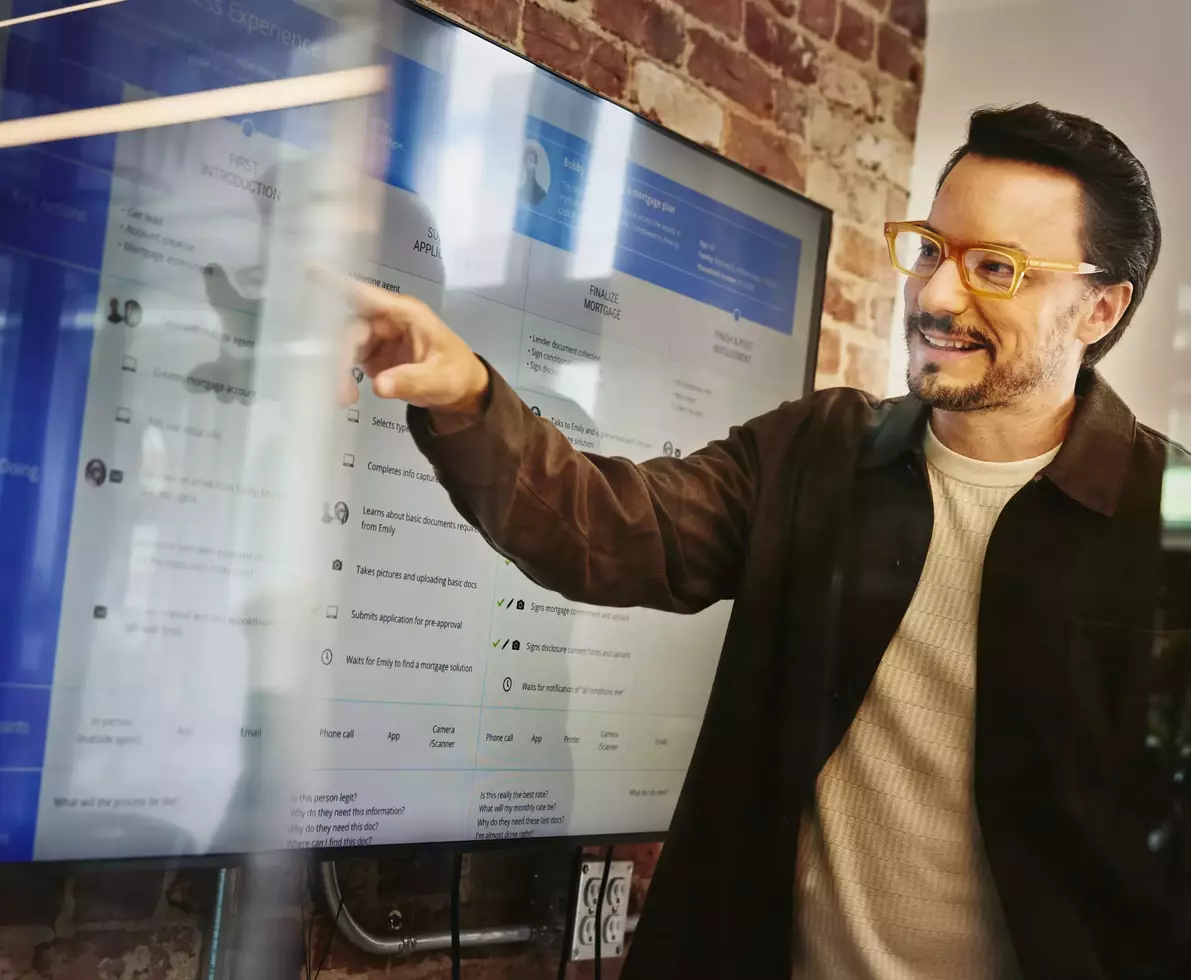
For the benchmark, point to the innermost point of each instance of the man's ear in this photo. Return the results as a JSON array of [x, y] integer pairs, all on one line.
[[1108, 306]]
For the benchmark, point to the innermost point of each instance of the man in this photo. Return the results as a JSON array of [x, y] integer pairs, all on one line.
[[950, 732]]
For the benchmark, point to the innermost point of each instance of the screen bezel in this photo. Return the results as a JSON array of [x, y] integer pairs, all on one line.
[[560, 843]]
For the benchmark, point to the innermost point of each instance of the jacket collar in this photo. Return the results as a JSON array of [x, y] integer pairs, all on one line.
[[1090, 468]]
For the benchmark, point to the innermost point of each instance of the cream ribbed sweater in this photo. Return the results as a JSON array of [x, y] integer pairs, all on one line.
[[893, 882]]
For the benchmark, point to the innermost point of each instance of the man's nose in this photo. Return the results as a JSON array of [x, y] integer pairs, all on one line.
[[944, 292]]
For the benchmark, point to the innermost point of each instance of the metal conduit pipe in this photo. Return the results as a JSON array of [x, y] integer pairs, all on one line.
[[369, 942]]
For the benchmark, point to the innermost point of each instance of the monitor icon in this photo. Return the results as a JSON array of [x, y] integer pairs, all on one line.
[[353, 415], [349, 460], [129, 364], [332, 612], [124, 415]]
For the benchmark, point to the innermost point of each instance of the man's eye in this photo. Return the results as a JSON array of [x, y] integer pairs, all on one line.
[[928, 250]]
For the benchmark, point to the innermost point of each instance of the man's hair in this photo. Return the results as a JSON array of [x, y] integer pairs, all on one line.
[[1121, 233]]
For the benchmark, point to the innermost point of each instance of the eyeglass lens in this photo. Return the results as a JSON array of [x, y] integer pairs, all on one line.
[[986, 269]]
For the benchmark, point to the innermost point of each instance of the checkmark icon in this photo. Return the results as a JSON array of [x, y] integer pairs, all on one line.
[[495, 643], [501, 603]]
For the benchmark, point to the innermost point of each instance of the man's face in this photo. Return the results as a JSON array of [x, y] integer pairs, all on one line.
[[1022, 344], [531, 164]]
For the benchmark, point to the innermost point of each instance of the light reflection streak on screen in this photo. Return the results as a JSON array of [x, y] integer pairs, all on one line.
[[473, 180], [607, 170]]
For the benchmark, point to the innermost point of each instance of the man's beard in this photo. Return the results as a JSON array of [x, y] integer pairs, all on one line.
[[1003, 382]]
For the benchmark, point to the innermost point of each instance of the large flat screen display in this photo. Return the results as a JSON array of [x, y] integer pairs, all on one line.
[[236, 616]]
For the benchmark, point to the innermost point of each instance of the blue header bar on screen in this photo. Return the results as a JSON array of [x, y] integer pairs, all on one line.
[[669, 235]]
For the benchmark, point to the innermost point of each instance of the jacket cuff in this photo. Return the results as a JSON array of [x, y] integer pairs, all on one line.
[[485, 452]]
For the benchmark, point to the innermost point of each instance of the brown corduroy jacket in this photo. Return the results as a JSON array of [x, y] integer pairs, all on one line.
[[816, 519]]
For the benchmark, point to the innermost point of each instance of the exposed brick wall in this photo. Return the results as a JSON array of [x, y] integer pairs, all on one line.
[[143, 925], [819, 95]]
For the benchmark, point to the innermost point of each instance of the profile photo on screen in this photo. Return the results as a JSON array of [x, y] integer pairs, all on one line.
[[341, 512], [95, 473], [535, 174], [114, 314], [132, 313]]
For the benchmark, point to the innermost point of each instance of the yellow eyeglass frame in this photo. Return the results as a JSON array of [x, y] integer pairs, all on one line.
[[1021, 261]]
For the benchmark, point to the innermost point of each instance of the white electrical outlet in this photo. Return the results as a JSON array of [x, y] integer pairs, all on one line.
[[587, 930], [618, 891], [612, 916], [591, 892], [613, 930]]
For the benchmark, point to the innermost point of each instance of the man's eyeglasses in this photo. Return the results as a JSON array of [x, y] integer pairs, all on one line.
[[995, 271]]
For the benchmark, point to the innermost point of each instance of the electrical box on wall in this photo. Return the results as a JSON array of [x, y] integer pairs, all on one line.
[[610, 919]]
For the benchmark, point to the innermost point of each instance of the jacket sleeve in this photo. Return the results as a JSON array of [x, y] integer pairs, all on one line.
[[669, 534]]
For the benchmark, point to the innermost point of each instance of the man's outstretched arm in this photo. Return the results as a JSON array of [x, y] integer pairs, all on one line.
[[669, 533]]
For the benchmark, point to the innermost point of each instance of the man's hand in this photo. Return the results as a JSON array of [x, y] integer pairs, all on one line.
[[409, 353]]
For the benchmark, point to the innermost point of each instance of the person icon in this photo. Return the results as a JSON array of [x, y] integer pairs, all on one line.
[[114, 314], [535, 177], [341, 512], [132, 313], [95, 473], [668, 449], [357, 374]]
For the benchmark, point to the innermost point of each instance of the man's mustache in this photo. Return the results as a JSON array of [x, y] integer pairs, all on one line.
[[945, 325]]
